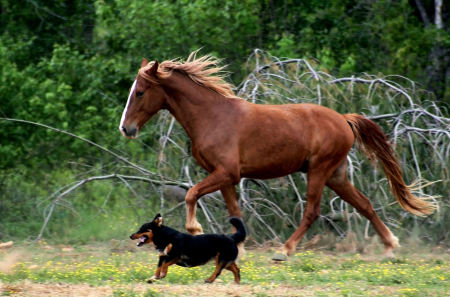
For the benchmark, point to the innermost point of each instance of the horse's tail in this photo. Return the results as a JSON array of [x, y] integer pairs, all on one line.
[[375, 144], [240, 234]]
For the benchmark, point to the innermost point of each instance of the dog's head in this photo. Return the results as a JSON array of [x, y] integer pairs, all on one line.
[[145, 233]]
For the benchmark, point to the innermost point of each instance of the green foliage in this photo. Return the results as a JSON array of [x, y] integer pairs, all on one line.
[[44, 24], [97, 212], [69, 91], [57, 67], [166, 30]]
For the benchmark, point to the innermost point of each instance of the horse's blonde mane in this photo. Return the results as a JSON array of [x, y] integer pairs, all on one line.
[[204, 71]]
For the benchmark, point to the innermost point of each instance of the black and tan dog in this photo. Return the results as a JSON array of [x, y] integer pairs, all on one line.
[[188, 250]]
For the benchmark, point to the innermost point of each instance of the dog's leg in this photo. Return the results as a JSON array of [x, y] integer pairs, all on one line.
[[219, 267], [165, 267], [216, 273], [166, 251], [236, 271], [158, 271]]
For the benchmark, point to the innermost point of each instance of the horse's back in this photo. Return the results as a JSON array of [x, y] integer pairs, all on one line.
[[298, 122], [276, 140]]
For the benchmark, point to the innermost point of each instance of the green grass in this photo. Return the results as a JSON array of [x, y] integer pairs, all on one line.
[[307, 273]]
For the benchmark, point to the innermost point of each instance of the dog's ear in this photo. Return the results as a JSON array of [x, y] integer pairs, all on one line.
[[158, 220]]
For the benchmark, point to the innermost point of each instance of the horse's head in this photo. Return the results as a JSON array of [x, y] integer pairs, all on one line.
[[146, 98]]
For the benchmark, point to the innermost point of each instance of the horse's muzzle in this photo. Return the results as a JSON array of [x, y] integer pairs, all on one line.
[[128, 132]]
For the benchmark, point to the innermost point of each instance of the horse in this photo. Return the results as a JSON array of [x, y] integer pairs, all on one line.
[[232, 138]]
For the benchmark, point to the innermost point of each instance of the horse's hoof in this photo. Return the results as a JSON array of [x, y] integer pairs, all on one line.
[[389, 254], [279, 257]]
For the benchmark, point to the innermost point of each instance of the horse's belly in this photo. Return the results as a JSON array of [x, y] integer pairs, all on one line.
[[267, 174], [272, 167]]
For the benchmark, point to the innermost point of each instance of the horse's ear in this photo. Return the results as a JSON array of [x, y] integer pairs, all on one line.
[[152, 70], [144, 62]]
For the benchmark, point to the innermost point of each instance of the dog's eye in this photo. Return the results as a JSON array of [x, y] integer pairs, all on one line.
[[139, 93]]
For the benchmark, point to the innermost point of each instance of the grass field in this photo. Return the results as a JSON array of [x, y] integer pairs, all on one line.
[[120, 269]]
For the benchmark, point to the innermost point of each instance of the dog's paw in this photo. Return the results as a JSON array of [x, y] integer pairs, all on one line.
[[208, 280]]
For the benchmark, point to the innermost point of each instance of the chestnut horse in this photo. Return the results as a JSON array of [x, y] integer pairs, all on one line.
[[232, 138]]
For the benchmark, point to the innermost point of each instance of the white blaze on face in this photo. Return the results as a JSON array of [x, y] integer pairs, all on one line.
[[126, 106]]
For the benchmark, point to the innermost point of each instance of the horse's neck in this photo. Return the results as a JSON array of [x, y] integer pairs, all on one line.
[[192, 105]]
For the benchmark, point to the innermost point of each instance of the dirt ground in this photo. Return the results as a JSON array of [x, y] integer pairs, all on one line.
[[27, 289]]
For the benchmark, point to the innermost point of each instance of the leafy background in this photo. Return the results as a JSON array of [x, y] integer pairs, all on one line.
[[69, 65]]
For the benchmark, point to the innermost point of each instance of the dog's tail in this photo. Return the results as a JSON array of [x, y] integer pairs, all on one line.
[[240, 234]]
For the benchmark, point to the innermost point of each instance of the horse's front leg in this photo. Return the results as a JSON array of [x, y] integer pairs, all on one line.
[[231, 201], [316, 182], [218, 179]]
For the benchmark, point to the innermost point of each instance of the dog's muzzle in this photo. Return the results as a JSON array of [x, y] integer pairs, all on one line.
[[142, 240]]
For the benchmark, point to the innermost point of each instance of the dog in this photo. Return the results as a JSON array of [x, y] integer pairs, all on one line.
[[192, 250]]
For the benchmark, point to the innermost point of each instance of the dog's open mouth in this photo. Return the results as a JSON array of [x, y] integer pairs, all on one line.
[[142, 240]]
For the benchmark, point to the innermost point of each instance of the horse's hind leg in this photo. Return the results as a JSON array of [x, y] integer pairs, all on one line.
[[340, 184]]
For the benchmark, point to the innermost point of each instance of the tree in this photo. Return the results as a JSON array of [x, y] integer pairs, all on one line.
[[438, 68]]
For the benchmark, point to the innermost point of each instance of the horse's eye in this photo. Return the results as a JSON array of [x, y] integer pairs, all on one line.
[[139, 94]]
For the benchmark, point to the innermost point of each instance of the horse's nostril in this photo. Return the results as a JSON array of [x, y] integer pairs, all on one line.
[[129, 131]]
